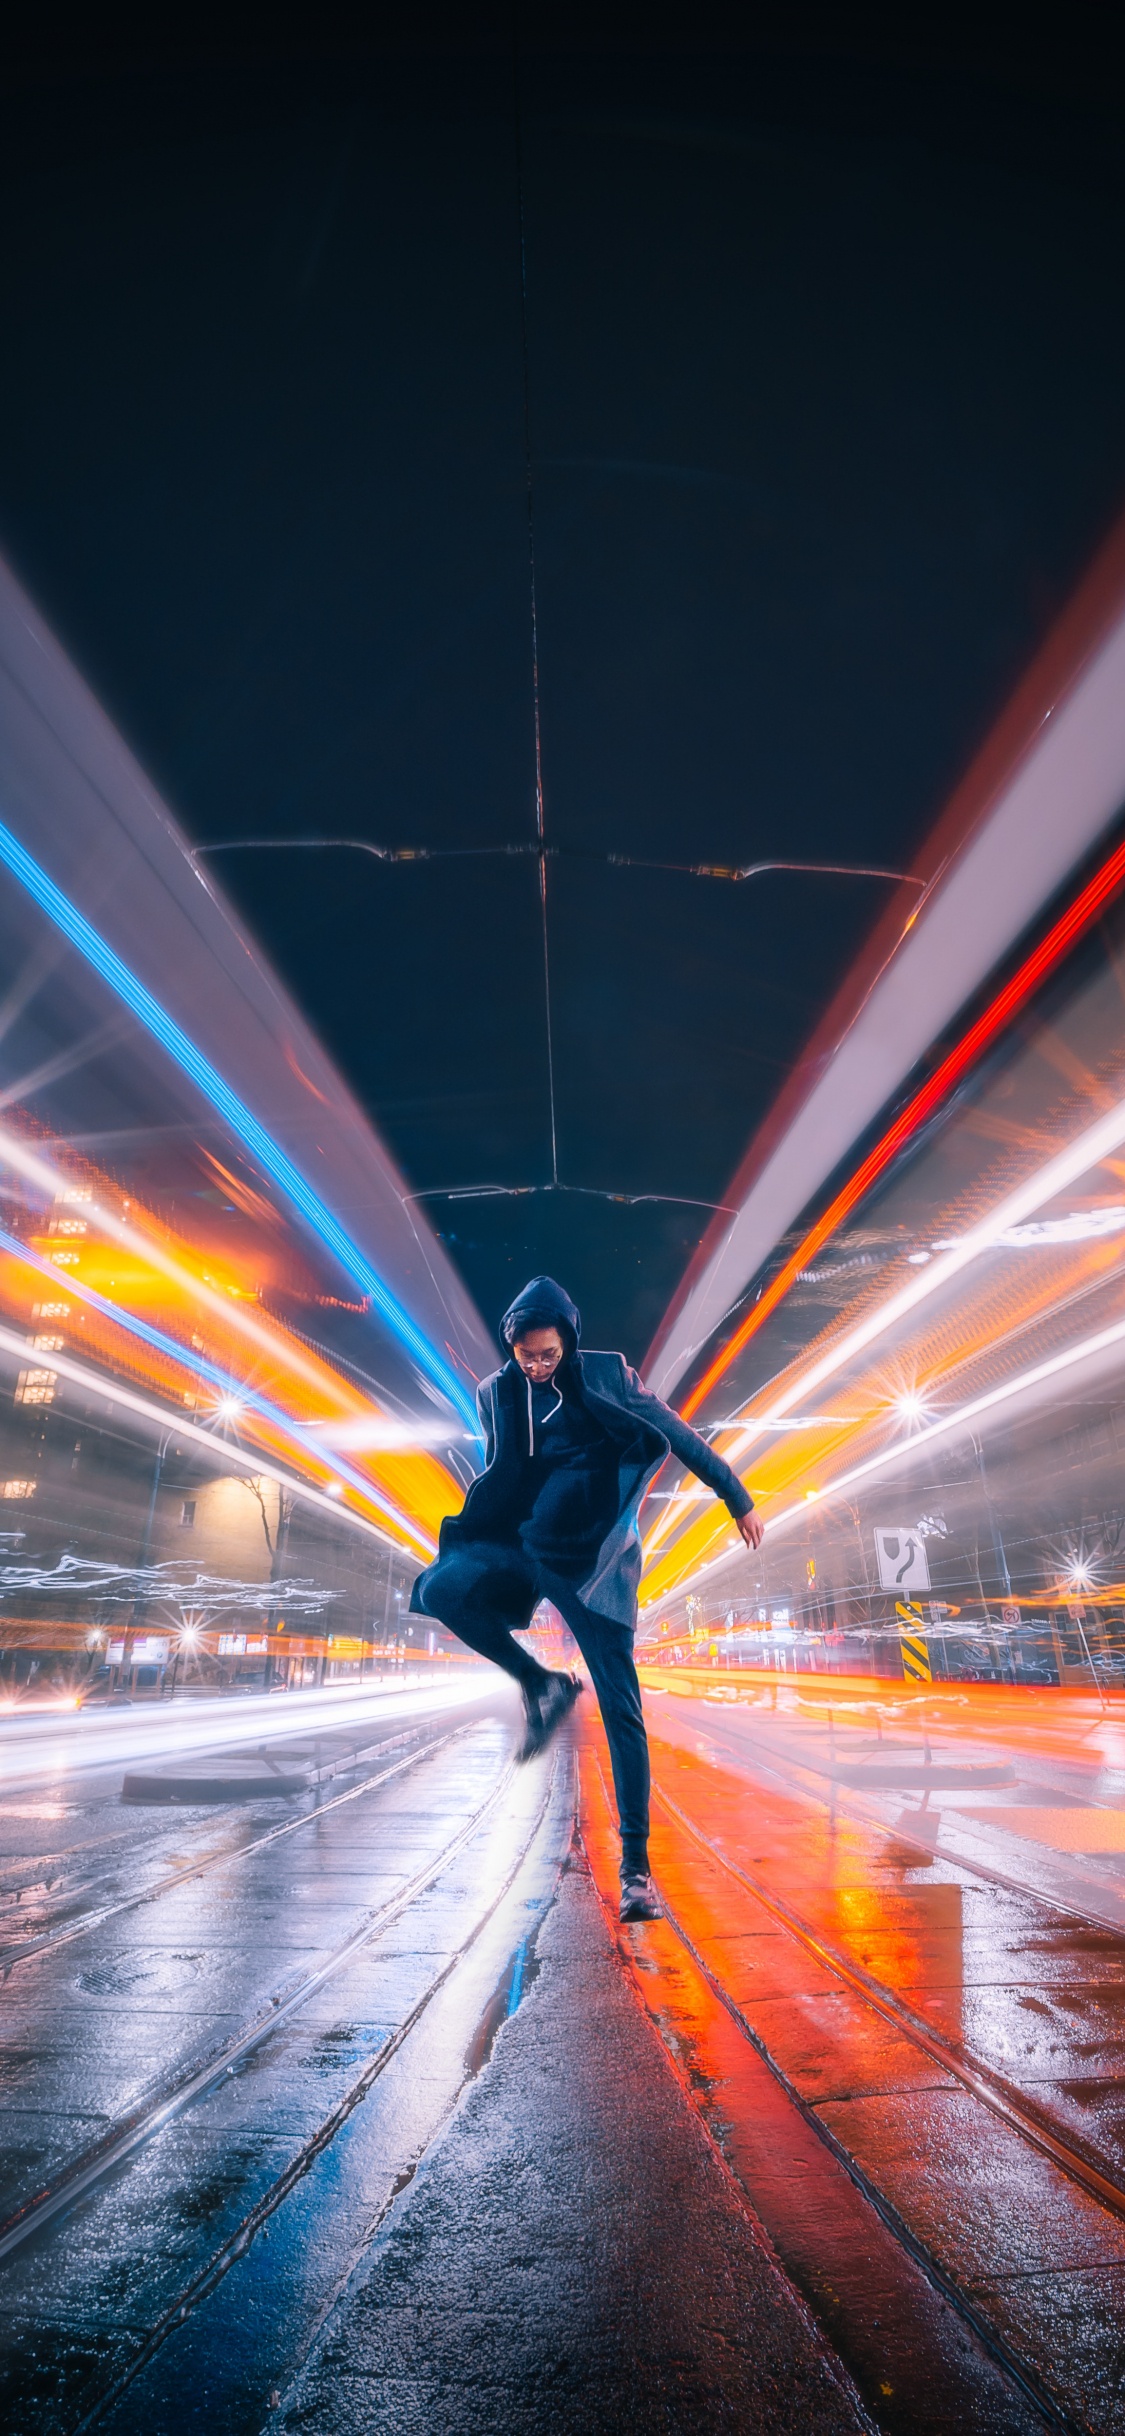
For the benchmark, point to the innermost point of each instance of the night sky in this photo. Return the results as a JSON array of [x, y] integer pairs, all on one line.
[[827, 405]]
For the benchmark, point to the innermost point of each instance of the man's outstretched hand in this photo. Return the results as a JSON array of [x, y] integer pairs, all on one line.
[[751, 1528]]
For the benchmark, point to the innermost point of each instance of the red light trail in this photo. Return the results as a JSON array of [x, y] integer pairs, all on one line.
[[1063, 935]]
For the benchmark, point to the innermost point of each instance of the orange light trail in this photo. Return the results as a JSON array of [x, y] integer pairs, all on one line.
[[96, 1255], [1063, 935], [1087, 1151], [687, 1557]]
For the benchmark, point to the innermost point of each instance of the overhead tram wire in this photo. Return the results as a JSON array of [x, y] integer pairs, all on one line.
[[540, 816], [545, 853], [539, 847]]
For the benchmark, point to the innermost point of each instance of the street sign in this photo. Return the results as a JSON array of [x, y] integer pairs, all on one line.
[[902, 1558]]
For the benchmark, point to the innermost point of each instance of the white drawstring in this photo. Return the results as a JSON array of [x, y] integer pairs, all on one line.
[[555, 1408]]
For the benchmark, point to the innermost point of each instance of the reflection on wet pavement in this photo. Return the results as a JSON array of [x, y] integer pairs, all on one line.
[[952, 2025], [96, 2033], [898, 2050]]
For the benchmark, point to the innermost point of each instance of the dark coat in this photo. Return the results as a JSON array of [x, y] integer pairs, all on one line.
[[643, 1430]]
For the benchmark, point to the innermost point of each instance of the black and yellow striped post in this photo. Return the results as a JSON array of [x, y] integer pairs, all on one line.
[[913, 1644]]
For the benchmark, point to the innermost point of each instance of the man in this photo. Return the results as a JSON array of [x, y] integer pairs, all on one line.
[[572, 1441]]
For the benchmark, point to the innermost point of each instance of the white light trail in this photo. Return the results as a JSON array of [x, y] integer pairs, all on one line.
[[908, 1449], [1079, 1226], [110, 1390], [52, 1183], [801, 1421], [1098, 1142], [50, 1744], [371, 1434], [178, 1583]]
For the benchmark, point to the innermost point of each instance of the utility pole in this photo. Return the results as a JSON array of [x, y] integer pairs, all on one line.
[[140, 1605], [278, 1557]]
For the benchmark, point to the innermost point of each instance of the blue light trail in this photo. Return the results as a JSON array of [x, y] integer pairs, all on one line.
[[249, 1131], [201, 1368]]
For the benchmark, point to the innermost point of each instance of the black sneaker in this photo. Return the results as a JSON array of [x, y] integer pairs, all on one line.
[[639, 1899], [545, 1712]]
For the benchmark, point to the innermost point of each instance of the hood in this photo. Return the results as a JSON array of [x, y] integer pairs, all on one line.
[[542, 1304]]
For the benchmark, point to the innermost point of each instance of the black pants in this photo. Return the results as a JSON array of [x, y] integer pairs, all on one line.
[[484, 1594]]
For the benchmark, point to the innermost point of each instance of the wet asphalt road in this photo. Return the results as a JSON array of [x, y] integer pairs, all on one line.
[[573, 2255], [942, 1992], [182, 2236], [356, 2109], [259, 1930]]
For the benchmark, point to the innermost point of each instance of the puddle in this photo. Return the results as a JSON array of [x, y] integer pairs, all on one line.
[[519, 1974], [37, 1810]]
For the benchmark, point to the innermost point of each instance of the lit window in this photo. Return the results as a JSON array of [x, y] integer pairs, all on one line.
[[64, 1260], [36, 1386], [47, 1344], [17, 1488], [67, 1226], [50, 1311], [187, 1514], [75, 1193]]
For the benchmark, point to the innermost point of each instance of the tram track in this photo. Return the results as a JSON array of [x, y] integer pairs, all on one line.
[[974, 2072], [1019, 2374], [1017, 2370], [792, 1773], [52, 1939], [987, 2086], [207, 2278], [89, 2166]]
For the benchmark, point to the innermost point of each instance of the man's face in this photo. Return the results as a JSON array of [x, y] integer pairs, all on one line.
[[539, 1353]]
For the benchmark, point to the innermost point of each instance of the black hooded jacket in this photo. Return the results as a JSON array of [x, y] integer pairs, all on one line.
[[616, 1434]]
